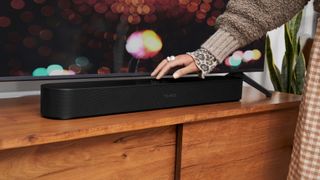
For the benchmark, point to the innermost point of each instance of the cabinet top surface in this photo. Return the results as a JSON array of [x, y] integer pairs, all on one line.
[[21, 124]]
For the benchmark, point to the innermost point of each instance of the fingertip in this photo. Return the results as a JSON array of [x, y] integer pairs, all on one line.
[[176, 76]]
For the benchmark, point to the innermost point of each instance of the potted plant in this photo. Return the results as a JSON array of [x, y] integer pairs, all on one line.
[[291, 77]]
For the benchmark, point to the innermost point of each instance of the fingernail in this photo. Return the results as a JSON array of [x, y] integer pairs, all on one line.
[[175, 75]]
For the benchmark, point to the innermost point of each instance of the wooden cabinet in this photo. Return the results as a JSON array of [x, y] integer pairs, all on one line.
[[251, 139], [243, 147], [141, 154]]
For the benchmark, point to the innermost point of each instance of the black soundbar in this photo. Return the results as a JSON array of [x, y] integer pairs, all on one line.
[[83, 99]]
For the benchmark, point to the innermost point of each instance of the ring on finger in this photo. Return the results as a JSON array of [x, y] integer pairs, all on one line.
[[170, 58]]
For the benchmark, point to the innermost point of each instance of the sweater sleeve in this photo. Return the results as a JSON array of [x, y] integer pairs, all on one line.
[[247, 20]]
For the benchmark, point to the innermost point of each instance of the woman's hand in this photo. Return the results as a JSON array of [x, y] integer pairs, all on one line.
[[189, 66]]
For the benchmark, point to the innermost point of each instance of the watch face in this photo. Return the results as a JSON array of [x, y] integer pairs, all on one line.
[[72, 38]]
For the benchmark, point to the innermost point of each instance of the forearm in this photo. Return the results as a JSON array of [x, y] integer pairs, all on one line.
[[243, 22], [247, 20]]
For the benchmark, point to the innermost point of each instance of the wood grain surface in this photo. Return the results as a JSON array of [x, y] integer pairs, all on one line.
[[147, 154], [247, 147], [21, 124]]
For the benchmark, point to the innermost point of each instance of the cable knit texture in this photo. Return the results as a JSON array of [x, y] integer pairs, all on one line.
[[247, 20], [221, 44]]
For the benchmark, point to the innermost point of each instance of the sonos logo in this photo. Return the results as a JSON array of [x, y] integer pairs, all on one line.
[[170, 95]]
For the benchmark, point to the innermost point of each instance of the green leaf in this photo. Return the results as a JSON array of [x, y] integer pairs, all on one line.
[[284, 74], [294, 26], [291, 78], [296, 83], [273, 69], [289, 61], [298, 48], [300, 70]]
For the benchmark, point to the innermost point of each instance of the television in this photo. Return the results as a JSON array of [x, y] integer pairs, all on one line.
[[72, 39]]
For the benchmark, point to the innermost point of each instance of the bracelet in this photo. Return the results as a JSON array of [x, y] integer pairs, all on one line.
[[204, 60]]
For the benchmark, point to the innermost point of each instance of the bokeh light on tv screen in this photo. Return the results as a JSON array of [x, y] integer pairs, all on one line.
[[41, 38]]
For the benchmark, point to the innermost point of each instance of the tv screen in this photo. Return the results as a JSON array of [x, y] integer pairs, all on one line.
[[41, 39]]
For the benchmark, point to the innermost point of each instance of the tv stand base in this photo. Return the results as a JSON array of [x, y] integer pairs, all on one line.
[[251, 82]]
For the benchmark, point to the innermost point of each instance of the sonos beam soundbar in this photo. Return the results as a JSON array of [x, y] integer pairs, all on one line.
[[84, 99]]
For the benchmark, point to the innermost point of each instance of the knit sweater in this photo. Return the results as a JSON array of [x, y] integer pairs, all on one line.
[[247, 20]]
